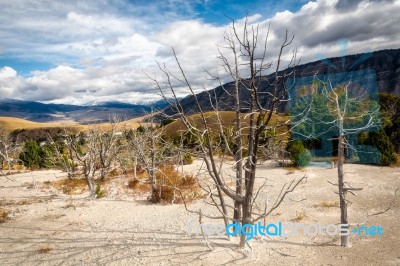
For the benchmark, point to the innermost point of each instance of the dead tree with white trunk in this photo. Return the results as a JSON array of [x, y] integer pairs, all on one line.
[[244, 60], [96, 150], [109, 145], [146, 145], [339, 110], [7, 148]]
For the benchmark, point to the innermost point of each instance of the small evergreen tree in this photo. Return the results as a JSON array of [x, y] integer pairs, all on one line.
[[299, 155], [30, 154], [35, 155], [381, 141]]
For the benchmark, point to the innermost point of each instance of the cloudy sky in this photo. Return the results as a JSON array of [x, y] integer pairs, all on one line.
[[82, 51]]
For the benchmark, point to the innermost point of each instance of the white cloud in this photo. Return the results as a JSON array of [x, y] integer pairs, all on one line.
[[100, 54], [9, 82], [7, 72]]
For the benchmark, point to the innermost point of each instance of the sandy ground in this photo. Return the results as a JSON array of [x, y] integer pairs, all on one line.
[[47, 227]]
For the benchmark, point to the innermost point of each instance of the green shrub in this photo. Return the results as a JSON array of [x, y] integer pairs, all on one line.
[[45, 157], [299, 155], [304, 158], [99, 193], [378, 142], [35, 155], [30, 154], [187, 159]]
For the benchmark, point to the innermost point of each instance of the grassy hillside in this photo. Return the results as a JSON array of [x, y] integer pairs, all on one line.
[[12, 123], [25, 130], [38, 131], [227, 119]]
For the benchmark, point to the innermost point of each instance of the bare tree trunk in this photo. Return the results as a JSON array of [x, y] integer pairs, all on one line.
[[88, 179], [342, 191], [247, 205], [223, 206], [73, 167], [237, 214], [6, 145], [134, 167], [91, 186], [8, 161], [153, 165]]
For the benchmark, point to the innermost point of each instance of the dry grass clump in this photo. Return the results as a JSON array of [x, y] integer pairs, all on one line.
[[167, 195], [168, 175], [114, 173], [44, 249], [131, 171], [172, 183], [133, 183], [3, 215], [397, 163], [327, 204], [140, 184], [299, 216], [291, 169], [140, 180], [28, 201], [52, 216], [19, 167], [70, 205], [24, 202], [4, 202], [174, 186], [70, 186]]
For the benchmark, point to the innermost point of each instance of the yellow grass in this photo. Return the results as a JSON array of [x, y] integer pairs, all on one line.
[[71, 186], [3, 215], [227, 118], [299, 216], [12, 123], [44, 249], [398, 161], [327, 204]]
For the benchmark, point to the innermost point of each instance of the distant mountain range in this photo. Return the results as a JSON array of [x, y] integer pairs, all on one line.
[[386, 64], [40, 112]]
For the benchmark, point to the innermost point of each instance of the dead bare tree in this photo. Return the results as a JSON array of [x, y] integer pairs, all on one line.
[[246, 64], [95, 150], [63, 156], [83, 148], [339, 111], [146, 145], [7, 147], [109, 145]]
